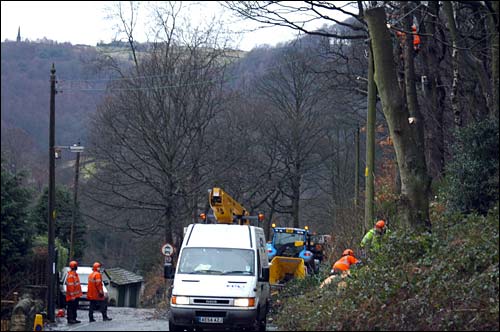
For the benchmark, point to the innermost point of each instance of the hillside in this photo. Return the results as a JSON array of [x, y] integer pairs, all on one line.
[[25, 90], [447, 280], [25, 97]]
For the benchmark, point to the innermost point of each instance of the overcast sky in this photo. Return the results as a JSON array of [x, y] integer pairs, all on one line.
[[84, 22]]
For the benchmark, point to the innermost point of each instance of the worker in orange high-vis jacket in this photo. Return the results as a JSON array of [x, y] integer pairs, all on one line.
[[95, 293], [415, 35], [345, 262], [416, 39], [73, 292]]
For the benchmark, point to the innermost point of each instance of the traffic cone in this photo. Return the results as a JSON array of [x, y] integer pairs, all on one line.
[[38, 324]]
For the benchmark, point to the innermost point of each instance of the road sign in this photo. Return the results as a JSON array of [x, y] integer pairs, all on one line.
[[76, 148], [167, 249]]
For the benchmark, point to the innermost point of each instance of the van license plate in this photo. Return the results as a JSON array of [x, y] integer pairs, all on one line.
[[216, 320]]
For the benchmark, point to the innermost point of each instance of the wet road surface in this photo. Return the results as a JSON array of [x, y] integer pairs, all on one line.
[[124, 319]]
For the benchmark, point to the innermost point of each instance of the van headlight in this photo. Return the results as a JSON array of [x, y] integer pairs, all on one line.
[[179, 299], [245, 302]]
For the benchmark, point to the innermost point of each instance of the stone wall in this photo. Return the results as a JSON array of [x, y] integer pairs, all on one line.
[[23, 314]]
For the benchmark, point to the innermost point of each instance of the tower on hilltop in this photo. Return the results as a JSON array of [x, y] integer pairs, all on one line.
[[18, 39]]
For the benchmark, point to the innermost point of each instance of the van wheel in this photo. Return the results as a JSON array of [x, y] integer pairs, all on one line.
[[260, 323], [174, 327], [263, 320]]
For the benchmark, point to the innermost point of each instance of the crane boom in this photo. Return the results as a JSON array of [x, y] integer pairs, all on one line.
[[225, 208]]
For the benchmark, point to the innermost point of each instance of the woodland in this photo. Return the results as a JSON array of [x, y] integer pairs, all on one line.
[[345, 125]]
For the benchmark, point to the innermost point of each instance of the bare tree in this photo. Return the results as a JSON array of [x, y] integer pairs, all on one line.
[[433, 92], [149, 136], [296, 108], [404, 122], [413, 173]]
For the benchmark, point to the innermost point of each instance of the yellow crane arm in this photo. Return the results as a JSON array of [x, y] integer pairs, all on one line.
[[225, 208]]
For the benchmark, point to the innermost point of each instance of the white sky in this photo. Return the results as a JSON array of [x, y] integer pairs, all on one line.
[[84, 22]]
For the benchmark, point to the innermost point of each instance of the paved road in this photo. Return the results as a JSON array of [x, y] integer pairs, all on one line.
[[124, 319]]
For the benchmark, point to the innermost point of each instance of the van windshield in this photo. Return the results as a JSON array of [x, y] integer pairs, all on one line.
[[217, 261]]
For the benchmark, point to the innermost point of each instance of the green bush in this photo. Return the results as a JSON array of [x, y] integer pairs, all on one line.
[[471, 182], [64, 218], [15, 230]]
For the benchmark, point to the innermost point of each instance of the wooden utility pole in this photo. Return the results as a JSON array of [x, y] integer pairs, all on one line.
[[75, 196], [51, 264], [370, 144], [356, 170]]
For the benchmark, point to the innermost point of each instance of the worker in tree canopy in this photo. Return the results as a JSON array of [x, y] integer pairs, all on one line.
[[416, 38], [345, 262], [373, 238]]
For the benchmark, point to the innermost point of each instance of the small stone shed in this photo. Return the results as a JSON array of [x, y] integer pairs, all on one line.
[[125, 288]]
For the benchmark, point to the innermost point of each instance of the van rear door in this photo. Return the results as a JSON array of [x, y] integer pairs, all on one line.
[[263, 288]]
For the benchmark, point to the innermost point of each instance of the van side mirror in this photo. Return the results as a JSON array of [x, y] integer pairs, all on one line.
[[168, 271], [265, 274], [106, 282]]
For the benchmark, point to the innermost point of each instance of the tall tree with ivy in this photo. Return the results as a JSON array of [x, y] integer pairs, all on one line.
[[64, 218], [16, 231]]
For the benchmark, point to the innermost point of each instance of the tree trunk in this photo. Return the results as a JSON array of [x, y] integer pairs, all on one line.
[[407, 138], [433, 96], [296, 200], [455, 55], [493, 27]]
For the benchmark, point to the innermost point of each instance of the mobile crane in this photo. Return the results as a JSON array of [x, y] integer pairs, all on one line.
[[227, 210], [288, 251]]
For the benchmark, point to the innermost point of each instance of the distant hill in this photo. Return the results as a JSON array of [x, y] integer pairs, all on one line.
[[25, 94], [25, 91]]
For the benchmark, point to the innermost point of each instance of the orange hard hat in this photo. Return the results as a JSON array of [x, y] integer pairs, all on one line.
[[73, 264], [96, 266], [348, 252], [380, 224]]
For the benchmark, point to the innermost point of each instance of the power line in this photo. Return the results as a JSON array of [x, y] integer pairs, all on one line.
[[171, 75], [206, 82], [149, 88], [131, 77]]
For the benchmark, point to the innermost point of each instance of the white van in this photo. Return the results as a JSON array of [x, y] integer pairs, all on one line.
[[221, 280]]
